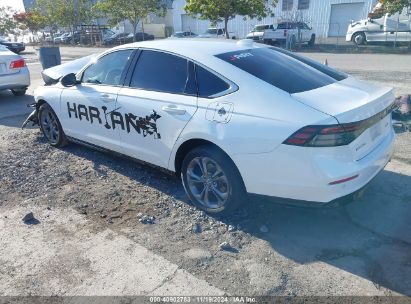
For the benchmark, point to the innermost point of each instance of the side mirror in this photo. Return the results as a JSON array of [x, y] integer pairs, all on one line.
[[69, 80]]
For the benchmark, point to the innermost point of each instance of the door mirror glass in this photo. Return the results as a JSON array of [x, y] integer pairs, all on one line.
[[69, 80]]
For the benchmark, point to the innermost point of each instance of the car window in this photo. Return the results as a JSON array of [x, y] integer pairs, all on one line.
[[278, 69], [208, 83], [163, 72], [108, 69], [286, 26]]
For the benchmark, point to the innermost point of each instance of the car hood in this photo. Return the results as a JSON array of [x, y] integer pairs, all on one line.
[[348, 100], [53, 75]]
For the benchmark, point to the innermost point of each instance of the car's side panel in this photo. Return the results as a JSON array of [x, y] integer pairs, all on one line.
[[89, 113], [244, 122], [151, 127]]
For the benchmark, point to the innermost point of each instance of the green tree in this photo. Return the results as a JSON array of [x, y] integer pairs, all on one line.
[[224, 10], [65, 13], [7, 22], [48, 10], [132, 10], [71, 13], [395, 6], [32, 20]]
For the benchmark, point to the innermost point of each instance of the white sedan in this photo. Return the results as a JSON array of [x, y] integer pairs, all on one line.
[[14, 74], [229, 118]]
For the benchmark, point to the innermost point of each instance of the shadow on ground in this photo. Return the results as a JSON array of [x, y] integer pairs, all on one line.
[[370, 238]]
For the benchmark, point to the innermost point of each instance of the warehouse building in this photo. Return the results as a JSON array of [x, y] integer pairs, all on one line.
[[329, 18]]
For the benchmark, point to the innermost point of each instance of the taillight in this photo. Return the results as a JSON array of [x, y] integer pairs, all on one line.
[[326, 136], [17, 64], [335, 135]]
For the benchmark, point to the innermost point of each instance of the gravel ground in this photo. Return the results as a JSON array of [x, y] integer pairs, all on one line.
[[264, 249]]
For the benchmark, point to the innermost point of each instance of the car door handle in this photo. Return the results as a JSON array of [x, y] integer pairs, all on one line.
[[173, 110], [106, 98]]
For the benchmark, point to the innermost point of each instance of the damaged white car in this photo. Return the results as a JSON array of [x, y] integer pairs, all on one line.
[[229, 118]]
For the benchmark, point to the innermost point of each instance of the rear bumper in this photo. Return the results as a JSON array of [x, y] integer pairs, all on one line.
[[293, 173], [15, 81]]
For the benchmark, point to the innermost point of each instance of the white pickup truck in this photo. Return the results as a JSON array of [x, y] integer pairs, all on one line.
[[295, 32], [388, 28]]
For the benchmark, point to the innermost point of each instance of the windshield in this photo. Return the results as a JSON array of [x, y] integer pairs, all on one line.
[[290, 73], [260, 28]]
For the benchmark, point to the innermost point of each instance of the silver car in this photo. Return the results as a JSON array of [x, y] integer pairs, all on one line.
[[14, 74]]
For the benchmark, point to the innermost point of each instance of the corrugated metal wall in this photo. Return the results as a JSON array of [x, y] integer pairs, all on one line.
[[318, 16]]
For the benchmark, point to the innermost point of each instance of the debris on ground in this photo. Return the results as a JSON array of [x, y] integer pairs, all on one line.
[[145, 219], [29, 219]]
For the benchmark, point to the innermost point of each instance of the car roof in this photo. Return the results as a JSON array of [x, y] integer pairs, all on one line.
[[195, 48]]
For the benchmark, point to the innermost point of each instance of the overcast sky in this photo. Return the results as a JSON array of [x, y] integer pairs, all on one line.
[[15, 4]]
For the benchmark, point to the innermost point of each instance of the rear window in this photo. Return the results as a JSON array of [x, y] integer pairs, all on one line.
[[279, 69], [287, 26]]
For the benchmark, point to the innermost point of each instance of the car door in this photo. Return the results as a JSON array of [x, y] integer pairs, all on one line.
[[88, 110], [157, 105]]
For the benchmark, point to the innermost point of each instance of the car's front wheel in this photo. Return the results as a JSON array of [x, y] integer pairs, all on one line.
[[51, 127], [212, 180], [359, 38]]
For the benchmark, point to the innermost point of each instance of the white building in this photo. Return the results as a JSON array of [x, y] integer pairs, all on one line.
[[329, 18]]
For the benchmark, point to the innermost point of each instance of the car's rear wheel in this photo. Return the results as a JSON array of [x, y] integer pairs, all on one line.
[[212, 181], [51, 127], [19, 92]]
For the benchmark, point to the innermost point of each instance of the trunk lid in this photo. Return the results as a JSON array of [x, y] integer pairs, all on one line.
[[353, 100]]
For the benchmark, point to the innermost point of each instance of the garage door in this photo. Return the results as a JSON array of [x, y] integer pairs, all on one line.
[[341, 16]]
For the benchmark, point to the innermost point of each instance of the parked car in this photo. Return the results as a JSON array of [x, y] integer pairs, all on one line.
[[213, 32], [229, 118], [117, 38], [187, 34], [16, 47], [59, 38], [14, 74], [140, 36], [295, 32], [381, 29], [259, 31], [66, 39]]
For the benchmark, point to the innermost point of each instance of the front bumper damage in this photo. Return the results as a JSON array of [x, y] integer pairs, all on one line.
[[33, 117]]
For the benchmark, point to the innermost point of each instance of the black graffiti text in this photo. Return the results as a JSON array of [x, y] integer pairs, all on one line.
[[146, 126]]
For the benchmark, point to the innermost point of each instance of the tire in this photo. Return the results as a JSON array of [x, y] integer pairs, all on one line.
[[359, 38], [312, 41], [225, 193], [51, 127], [19, 92]]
